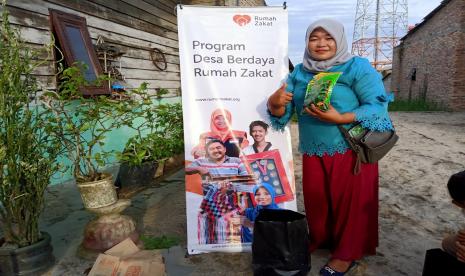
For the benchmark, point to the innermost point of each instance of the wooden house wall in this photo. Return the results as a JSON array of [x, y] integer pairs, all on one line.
[[249, 3], [134, 26]]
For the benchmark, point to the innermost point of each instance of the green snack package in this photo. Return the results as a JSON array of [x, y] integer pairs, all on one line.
[[319, 90], [357, 131]]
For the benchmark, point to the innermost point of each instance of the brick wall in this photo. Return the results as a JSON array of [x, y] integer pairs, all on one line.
[[457, 101], [436, 53]]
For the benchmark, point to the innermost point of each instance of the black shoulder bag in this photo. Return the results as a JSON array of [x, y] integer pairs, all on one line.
[[369, 146]]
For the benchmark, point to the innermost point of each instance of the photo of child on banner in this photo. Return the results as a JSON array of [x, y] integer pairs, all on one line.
[[258, 131]]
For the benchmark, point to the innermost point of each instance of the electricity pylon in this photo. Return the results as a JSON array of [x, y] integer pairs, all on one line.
[[379, 25]]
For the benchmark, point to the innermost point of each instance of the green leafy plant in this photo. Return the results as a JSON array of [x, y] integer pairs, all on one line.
[[28, 147], [159, 135], [86, 123], [160, 92], [151, 243]]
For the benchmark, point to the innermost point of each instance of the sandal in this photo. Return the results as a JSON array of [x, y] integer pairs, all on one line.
[[326, 270]]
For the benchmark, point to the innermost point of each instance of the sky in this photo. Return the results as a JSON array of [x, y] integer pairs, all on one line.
[[304, 12]]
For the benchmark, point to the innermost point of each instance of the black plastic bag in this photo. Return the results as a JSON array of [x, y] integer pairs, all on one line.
[[438, 262], [280, 243]]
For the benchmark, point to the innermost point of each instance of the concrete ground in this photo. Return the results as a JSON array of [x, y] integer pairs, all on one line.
[[415, 209], [64, 218], [158, 210]]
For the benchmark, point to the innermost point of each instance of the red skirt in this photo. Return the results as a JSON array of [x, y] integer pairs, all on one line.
[[341, 208]]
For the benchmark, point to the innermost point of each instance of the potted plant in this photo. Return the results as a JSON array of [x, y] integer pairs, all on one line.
[[172, 153], [28, 150], [159, 136], [86, 123], [86, 126]]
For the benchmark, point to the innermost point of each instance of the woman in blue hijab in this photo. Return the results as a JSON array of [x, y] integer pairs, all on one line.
[[264, 196]]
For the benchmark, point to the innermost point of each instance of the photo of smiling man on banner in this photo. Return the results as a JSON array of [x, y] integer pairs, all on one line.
[[230, 59], [215, 222]]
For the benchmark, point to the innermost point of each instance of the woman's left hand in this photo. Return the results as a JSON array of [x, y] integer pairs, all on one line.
[[331, 115]]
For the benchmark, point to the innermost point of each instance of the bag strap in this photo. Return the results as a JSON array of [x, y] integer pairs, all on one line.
[[355, 147]]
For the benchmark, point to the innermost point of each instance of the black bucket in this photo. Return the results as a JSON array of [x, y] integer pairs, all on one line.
[[136, 176], [28, 260]]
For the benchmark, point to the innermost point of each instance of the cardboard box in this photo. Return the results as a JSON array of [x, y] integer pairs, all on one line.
[[126, 259]]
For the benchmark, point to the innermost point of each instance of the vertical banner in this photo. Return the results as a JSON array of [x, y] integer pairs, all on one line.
[[231, 60]]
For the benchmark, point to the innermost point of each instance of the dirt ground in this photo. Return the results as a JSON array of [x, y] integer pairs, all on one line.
[[415, 208]]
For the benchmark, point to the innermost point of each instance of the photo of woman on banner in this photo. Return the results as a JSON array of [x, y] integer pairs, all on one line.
[[220, 199], [221, 129], [341, 207], [264, 196], [258, 131]]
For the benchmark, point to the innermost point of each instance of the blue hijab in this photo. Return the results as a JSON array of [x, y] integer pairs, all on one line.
[[252, 213]]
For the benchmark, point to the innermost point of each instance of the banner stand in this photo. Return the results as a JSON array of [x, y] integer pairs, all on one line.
[[231, 60]]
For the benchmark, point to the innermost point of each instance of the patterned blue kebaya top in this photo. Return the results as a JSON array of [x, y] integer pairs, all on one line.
[[359, 90]]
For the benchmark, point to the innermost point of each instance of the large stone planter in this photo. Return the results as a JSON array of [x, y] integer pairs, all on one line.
[[110, 227], [99, 193], [29, 260]]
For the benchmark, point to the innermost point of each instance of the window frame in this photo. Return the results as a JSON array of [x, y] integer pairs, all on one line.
[[59, 21]]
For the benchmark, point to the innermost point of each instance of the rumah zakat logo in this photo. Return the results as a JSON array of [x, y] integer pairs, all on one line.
[[241, 19]]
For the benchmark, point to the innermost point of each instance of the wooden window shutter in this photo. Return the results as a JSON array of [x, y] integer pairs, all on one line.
[[76, 44]]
